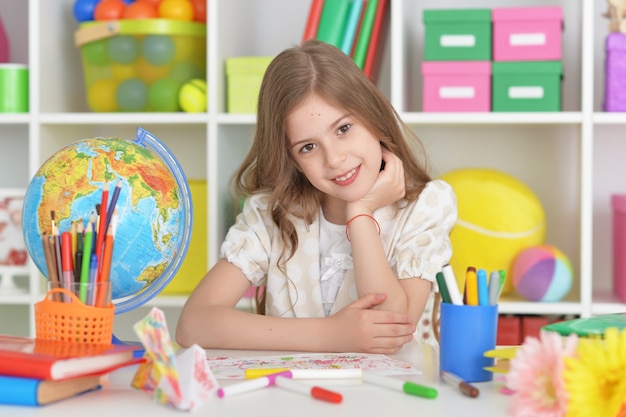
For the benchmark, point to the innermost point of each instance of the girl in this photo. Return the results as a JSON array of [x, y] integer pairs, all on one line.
[[342, 226]]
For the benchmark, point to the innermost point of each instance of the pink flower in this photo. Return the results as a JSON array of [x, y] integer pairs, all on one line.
[[536, 376]]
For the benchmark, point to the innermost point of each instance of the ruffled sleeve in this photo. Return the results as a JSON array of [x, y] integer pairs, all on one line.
[[248, 243], [422, 235]]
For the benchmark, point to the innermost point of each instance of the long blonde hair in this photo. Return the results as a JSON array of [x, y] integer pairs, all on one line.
[[322, 69]]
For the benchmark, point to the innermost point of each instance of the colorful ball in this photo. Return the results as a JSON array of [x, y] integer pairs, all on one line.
[[158, 49], [101, 96], [83, 10], [542, 273], [199, 10], [163, 95], [95, 53], [186, 70], [150, 73], [140, 10], [123, 49], [132, 95], [192, 96], [176, 9], [498, 216], [122, 72], [109, 10]]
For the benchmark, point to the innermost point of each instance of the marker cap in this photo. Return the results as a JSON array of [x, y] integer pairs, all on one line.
[[419, 390]]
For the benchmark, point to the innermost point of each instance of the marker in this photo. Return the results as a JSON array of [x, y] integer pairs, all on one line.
[[453, 287], [494, 287], [249, 385], [335, 373], [464, 387], [483, 292], [407, 387], [502, 280], [443, 288], [283, 380], [471, 287]]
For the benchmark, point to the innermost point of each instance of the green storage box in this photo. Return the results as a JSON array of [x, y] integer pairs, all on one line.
[[526, 86], [244, 75], [457, 35]]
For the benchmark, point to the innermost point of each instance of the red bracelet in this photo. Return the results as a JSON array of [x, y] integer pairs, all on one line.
[[361, 215]]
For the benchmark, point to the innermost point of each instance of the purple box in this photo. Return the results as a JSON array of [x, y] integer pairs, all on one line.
[[615, 73]]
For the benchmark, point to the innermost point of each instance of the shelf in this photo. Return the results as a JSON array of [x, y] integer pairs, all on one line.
[[555, 118], [122, 118], [532, 307], [572, 159]]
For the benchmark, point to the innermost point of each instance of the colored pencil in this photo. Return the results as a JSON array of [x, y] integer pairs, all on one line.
[[56, 238], [48, 251], [105, 269], [84, 272], [93, 276], [102, 219], [67, 263], [111, 207]]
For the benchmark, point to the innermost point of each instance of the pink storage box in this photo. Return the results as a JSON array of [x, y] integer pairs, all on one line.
[[527, 34], [618, 202], [456, 86]]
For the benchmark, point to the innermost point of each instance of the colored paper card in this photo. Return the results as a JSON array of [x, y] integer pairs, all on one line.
[[363, 41], [380, 27], [184, 382], [313, 20], [333, 21], [352, 25]]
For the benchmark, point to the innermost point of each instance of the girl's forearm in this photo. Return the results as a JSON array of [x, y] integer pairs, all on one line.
[[372, 272], [221, 327]]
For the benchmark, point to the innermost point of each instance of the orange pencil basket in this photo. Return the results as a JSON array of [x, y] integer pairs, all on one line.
[[72, 321]]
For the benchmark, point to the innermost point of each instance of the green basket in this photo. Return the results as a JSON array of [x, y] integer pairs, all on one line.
[[140, 65]]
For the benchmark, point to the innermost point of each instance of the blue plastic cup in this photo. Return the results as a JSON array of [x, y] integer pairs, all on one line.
[[466, 332]]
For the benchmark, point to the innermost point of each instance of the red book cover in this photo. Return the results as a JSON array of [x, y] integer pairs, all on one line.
[[377, 38], [46, 359], [313, 21]]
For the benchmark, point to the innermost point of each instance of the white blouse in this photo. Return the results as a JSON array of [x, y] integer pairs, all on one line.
[[416, 239]]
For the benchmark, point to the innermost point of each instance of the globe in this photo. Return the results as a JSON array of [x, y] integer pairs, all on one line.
[[155, 211]]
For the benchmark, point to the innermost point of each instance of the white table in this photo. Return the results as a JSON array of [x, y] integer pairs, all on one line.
[[359, 399]]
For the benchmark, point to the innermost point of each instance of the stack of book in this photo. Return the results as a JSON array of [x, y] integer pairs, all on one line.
[[35, 372], [357, 27]]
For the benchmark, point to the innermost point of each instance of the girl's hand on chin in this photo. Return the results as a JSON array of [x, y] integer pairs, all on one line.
[[389, 186]]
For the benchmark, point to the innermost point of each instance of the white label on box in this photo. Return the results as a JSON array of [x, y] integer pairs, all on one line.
[[457, 92], [525, 92], [527, 39], [457, 41]]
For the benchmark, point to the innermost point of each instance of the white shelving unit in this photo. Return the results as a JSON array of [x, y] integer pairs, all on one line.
[[573, 159]]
